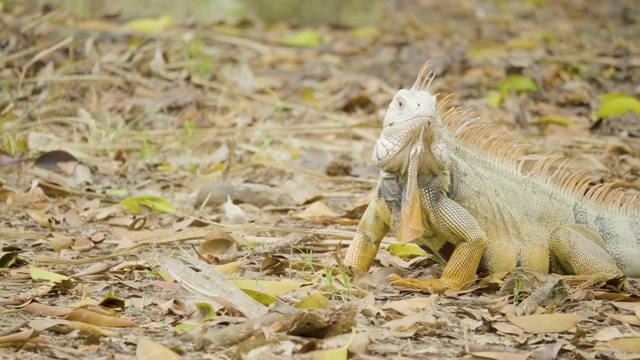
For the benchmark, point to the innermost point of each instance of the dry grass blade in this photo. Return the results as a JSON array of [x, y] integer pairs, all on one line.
[[41, 55]]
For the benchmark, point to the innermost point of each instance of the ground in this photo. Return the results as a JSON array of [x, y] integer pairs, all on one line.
[[121, 142]]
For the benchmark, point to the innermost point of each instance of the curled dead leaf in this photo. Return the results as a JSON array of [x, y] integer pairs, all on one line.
[[50, 160], [99, 319]]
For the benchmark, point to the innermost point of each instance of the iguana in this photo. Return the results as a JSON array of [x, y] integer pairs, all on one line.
[[456, 187]]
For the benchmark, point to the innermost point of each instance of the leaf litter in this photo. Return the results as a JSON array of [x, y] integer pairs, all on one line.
[[172, 189]]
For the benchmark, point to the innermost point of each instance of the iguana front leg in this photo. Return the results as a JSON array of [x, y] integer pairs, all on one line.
[[373, 226], [447, 218]]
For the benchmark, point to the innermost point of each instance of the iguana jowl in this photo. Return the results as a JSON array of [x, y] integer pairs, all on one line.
[[454, 186]]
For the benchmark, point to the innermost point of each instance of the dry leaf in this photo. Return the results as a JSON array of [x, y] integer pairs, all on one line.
[[314, 301], [150, 350], [546, 322], [507, 328], [626, 319], [73, 219], [94, 318], [410, 306], [502, 355], [273, 288], [628, 345], [317, 210], [229, 269]]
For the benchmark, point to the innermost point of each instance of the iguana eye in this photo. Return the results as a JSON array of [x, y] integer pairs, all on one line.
[[400, 104]]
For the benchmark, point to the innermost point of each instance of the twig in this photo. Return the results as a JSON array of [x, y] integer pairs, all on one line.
[[35, 22], [192, 235], [12, 329], [288, 241], [238, 41], [67, 78], [26, 52], [40, 55], [75, 192], [36, 104]]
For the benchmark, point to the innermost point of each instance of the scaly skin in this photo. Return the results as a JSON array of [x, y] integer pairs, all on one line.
[[451, 189]]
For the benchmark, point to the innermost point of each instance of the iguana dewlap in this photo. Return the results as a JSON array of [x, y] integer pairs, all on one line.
[[454, 186]]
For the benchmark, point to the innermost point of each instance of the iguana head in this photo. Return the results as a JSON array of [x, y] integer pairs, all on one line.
[[411, 125]]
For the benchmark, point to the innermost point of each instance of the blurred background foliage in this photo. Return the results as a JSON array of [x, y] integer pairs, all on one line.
[[307, 12]]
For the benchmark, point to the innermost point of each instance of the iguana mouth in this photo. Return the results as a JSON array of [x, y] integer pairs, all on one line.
[[409, 121]]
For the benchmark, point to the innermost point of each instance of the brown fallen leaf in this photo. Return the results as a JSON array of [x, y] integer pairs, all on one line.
[[150, 350], [629, 306], [507, 328], [166, 285], [314, 301], [42, 218], [543, 323], [625, 319], [82, 243], [95, 318], [20, 274], [58, 242], [616, 296], [94, 269], [335, 354], [217, 242], [409, 325], [46, 310], [410, 306], [72, 218], [273, 288], [502, 355], [19, 337], [628, 345], [317, 210], [229, 269], [44, 324], [51, 160], [91, 329], [608, 333]]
